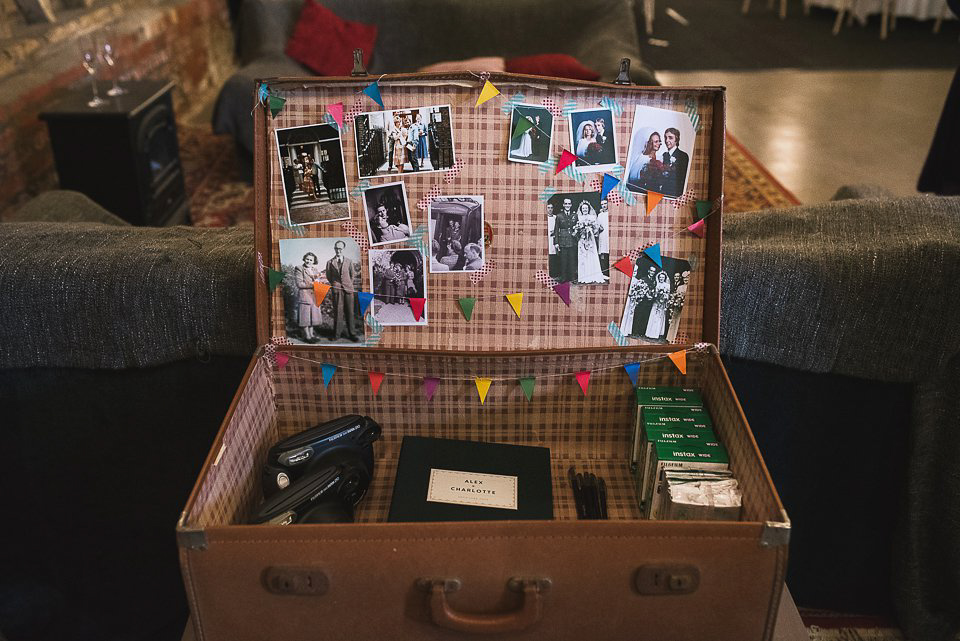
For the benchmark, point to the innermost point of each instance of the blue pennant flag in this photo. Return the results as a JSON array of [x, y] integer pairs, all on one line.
[[654, 254], [632, 370], [609, 182], [373, 90], [328, 371], [365, 298]]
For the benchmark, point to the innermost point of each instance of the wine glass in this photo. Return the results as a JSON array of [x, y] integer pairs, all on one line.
[[89, 57], [109, 55]]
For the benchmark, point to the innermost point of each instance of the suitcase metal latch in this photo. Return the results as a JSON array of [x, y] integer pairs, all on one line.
[[296, 581], [667, 579]]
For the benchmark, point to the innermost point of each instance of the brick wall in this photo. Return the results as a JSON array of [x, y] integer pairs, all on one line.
[[189, 41]]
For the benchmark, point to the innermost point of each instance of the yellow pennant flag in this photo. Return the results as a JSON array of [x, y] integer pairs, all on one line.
[[483, 386], [680, 360], [320, 291], [516, 302], [488, 92], [653, 199]]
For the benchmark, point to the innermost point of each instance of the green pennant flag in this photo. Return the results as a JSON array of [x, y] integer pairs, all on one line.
[[527, 385], [703, 208], [274, 278], [276, 104], [522, 126], [466, 306]]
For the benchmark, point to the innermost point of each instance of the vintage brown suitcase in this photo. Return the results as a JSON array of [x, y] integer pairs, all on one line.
[[622, 578]]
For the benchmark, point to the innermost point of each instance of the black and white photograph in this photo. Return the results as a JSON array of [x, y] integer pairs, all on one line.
[[307, 262], [388, 218], [314, 177], [456, 234], [533, 143], [579, 238], [655, 299], [403, 141], [398, 275], [661, 145], [592, 139]]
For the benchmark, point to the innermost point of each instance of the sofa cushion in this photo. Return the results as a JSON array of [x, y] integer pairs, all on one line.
[[325, 43], [559, 65]]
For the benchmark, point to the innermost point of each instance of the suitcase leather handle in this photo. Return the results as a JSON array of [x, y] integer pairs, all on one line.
[[445, 616]]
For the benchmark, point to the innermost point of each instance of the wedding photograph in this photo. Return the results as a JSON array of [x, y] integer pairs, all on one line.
[[456, 234], [592, 139], [661, 145], [401, 141], [385, 210], [330, 317], [397, 276], [655, 299], [578, 238], [531, 134], [313, 173]]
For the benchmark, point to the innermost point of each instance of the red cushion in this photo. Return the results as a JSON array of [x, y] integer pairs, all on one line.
[[559, 65], [324, 43]]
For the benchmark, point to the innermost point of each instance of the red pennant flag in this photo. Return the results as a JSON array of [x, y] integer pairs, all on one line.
[[625, 265], [698, 228], [376, 378], [417, 305], [680, 360], [430, 386], [583, 378], [653, 199], [336, 111], [320, 291], [566, 159], [281, 359]]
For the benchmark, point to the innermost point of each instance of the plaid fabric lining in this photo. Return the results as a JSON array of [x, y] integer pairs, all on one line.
[[591, 432], [513, 208]]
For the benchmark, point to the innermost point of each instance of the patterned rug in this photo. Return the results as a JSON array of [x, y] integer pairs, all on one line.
[[221, 194]]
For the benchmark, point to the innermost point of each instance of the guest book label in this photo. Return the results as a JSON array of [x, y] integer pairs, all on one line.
[[472, 488]]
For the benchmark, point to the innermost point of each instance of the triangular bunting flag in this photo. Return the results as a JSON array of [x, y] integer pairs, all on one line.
[[276, 104], [430, 386], [680, 360], [320, 291], [281, 359], [373, 91], [609, 182], [376, 378], [654, 254], [522, 126], [466, 306], [417, 305], [563, 291], [328, 371], [263, 91], [488, 92], [653, 199], [516, 302], [483, 386], [566, 159], [274, 278], [625, 265], [703, 208], [336, 111], [584, 379], [632, 370], [698, 228], [527, 385], [365, 298]]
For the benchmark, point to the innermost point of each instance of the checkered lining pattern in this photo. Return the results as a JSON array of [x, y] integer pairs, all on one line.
[[591, 432], [513, 209]]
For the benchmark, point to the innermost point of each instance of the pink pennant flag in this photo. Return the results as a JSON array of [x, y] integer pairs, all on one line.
[[281, 359], [430, 386], [566, 159], [563, 291], [625, 265], [698, 228], [336, 110], [376, 378], [583, 377], [417, 305]]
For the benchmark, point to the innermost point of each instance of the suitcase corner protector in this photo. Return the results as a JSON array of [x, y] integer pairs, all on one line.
[[190, 538], [775, 533]]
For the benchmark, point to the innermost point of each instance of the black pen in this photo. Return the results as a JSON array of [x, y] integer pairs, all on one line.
[[603, 498], [577, 485]]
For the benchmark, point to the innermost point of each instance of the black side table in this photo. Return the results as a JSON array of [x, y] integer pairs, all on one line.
[[124, 155]]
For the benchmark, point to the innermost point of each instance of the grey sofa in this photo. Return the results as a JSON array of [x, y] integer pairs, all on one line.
[[416, 33]]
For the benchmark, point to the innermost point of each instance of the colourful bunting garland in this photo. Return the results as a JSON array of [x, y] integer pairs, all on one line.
[[698, 228], [609, 182], [320, 291], [282, 359], [566, 159], [633, 369], [523, 125], [336, 112], [373, 92], [365, 298], [625, 265], [703, 209], [563, 291], [526, 384], [488, 92], [516, 302], [653, 199], [274, 278], [680, 360], [328, 371], [483, 386], [466, 306], [376, 379], [416, 305], [653, 253], [583, 378], [276, 104], [430, 386]]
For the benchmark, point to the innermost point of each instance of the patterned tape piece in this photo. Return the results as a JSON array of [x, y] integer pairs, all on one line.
[[452, 174], [359, 188], [508, 106], [569, 106], [546, 280], [618, 336], [373, 337], [548, 192], [432, 193], [694, 114], [261, 269], [548, 166], [354, 232], [488, 266], [419, 239], [613, 105], [551, 105], [296, 230], [575, 173]]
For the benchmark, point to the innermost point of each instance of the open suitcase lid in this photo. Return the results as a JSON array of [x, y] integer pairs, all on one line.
[[514, 210]]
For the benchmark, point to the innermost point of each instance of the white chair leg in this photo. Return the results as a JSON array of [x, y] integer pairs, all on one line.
[[783, 9], [745, 8], [940, 17], [884, 18], [841, 8], [648, 15]]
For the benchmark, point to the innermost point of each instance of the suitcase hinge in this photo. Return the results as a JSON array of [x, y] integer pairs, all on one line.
[[192, 538], [776, 533]]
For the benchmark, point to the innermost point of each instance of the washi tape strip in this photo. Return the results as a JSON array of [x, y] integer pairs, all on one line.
[[551, 105], [359, 188], [419, 239], [488, 266], [618, 336], [569, 106], [515, 99], [433, 192], [296, 230], [546, 279], [694, 113], [452, 174], [354, 232], [547, 193], [373, 337], [261, 269], [614, 105]]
